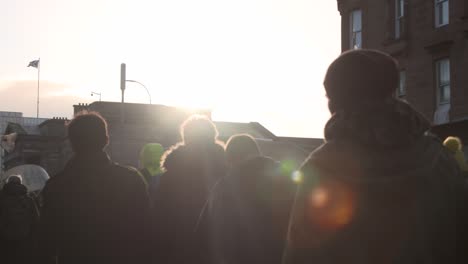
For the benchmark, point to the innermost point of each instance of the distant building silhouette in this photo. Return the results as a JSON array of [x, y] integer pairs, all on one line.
[[25, 125], [430, 41], [44, 144], [134, 125]]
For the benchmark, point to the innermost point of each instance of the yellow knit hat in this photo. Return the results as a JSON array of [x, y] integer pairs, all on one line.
[[453, 143]]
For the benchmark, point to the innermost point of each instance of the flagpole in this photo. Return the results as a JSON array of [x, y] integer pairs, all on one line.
[[38, 78]]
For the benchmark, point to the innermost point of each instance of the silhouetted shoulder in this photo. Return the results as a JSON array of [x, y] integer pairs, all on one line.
[[260, 163], [124, 169], [341, 154], [127, 173], [180, 152], [320, 155], [267, 161], [55, 182]]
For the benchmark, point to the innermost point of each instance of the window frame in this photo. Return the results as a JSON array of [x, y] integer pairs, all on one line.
[[439, 13], [399, 18], [401, 90], [441, 86], [354, 34]]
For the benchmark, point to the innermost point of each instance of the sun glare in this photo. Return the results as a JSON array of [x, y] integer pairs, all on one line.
[[247, 60]]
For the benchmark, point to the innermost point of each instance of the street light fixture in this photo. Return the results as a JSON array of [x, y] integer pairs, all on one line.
[[133, 81], [94, 93]]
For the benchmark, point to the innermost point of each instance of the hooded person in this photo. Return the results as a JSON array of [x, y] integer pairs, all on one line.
[[380, 189], [248, 210], [454, 145], [150, 160], [192, 167]]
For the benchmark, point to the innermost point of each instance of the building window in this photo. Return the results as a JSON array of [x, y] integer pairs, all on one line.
[[401, 92], [399, 17], [441, 12], [443, 81], [356, 29]]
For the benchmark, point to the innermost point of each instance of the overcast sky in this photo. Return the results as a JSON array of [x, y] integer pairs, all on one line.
[[248, 60]]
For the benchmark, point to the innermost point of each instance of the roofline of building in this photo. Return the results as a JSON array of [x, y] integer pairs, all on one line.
[[146, 105], [263, 130], [54, 120]]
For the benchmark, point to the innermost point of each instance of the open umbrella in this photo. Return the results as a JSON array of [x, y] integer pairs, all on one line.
[[34, 176]]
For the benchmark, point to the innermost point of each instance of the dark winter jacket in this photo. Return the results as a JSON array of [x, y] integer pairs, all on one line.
[[152, 182], [248, 213], [18, 228], [95, 211], [379, 191], [16, 195], [190, 174]]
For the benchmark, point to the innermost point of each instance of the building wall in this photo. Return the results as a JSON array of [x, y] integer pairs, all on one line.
[[141, 124], [131, 126], [419, 47], [16, 117], [48, 152]]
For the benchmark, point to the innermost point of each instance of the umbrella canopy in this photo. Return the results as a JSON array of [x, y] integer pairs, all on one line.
[[34, 176]]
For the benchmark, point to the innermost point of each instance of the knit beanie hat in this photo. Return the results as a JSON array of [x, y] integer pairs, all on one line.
[[453, 144], [150, 157], [361, 78]]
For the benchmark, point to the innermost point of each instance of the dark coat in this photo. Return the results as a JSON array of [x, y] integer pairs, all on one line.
[[15, 196], [183, 189], [379, 191], [248, 213], [95, 211]]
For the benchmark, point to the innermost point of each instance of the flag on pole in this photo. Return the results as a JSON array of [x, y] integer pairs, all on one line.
[[34, 63]]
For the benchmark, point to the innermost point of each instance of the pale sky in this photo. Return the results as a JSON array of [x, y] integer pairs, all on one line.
[[248, 60]]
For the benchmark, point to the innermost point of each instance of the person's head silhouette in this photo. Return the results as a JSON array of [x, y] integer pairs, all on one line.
[[358, 79], [454, 144], [240, 148], [88, 133], [15, 179], [197, 130]]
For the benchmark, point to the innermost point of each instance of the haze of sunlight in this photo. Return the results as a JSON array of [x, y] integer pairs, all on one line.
[[248, 60]]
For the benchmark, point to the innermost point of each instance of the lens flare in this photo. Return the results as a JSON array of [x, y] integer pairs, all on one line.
[[288, 166], [319, 198], [297, 177], [331, 205]]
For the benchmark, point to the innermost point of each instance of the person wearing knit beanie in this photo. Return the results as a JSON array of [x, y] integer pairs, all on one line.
[[360, 78], [454, 145], [150, 160], [381, 189]]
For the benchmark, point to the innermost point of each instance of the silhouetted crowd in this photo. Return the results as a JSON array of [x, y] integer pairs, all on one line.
[[381, 189]]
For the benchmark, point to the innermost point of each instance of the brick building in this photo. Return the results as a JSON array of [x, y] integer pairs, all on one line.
[[429, 38]]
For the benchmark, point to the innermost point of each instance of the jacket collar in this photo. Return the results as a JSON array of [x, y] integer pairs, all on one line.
[[394, 124]]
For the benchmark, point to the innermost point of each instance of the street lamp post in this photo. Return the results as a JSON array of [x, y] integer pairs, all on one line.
[[94, 93], [133, 81]]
